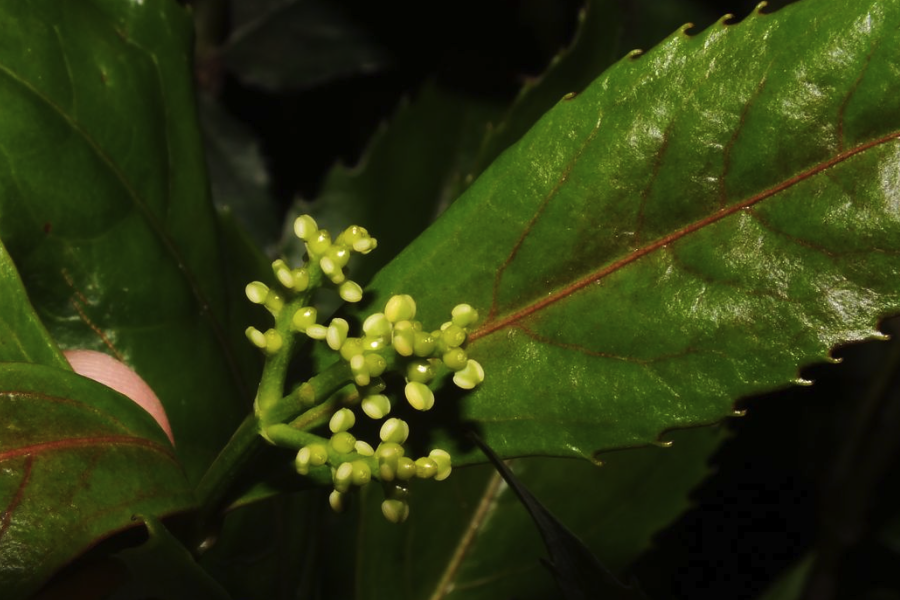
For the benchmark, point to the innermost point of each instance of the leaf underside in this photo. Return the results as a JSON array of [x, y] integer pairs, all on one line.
[[700, 223]]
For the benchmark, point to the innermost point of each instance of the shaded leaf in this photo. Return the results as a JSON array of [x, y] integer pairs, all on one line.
[[295, 44], [696, 226], [23, 337], [790, 585], [105, 203], [78, 461], [456, 543]]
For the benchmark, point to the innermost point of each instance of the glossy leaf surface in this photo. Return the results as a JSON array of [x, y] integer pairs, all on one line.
[[697, 225], [104, 202], [77, 461]]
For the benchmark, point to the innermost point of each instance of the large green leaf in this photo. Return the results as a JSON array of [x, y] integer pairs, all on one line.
[[77, 461], [701, 222], [104, 203]]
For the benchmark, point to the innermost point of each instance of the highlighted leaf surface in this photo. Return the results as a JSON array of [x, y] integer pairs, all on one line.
[[77, 461], [701, 222]]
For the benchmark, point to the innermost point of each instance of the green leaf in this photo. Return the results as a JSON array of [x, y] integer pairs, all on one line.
[[77, 461], [105, 205], [456, 543], [700, 223], [22, 335], [791, 584]]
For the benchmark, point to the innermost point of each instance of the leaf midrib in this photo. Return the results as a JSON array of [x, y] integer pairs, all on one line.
[[494, 324]]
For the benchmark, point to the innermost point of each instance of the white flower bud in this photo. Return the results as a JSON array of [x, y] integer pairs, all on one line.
[[470, 376], [256, 292], [342, 420], [305, 227]]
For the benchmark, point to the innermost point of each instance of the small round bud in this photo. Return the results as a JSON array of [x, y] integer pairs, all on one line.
[[318, 455], [419, 395], [303, 318], [455, 359], [442, 460], [256, 292], [423, 344], [453, 336], [283, 273], [426, 468], [463, 315], [362, 474], [376, 406], [301, 279], [317, 332], [301, 463], [342, 420], [377, 325], [331, 270], [337, 501], [388, 453], [274, 302], [273, 342], [350, 348], [420, 370], [470, 376], [400, 308], [319, 244], [350, 291], [395, 511], [406, 468], [403, 338], [305, 227], [375, 364], [359, 370], [394, 430], [343, 442], [343, 477], [256, 337], [373, 344], [363, 448], [337, 333]]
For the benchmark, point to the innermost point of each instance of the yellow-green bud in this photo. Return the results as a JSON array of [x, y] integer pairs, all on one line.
[[343, 442], [406, 468], [420, 370], [376, 406], [343, 477], [256, 337], [318, 455], [350, 348], [350, 291], [317, 332], [404, 338], [359, 370], [337, 501], [283, 273], [342, 420], [395, 511], [301, 463], [274, 302], [463, 315], [423, 344], [301, 279], [377, 325], [470, 376], [455, 359], [443, 462], [337, 333], [453, 336], [319, 244], [362, 474], [426, 468], [305, 227], [256, 292], [394, 430], [303, 318], [376, 364], [419, 395], [273, 342], [363, 448], [400, 308]]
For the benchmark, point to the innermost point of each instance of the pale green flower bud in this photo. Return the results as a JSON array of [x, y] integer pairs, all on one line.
[[442, 460], [395, 511], [301, 279], [305, 227], [256, 337], [400, 308], [464, 315], [359, 370], [363, 448], [455, 359], [283, 273], [304, 318], [274, 302], [362, 474], [273, 342], [419, 395], [404, 338], [301, 463], [337, 333], [256, 292], [388, 453], [343, 477], [366, 245], [342, 420], [406, 468], [426, 468], [375, 364], [394, 430], [317, 332], [318, 455], [423, 344], [337, 501], [350, 291], [453, 336], [420, 370], [350, 348], [376, 406], [377, 325], [343, 442], [470, 376], [331, 270]]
